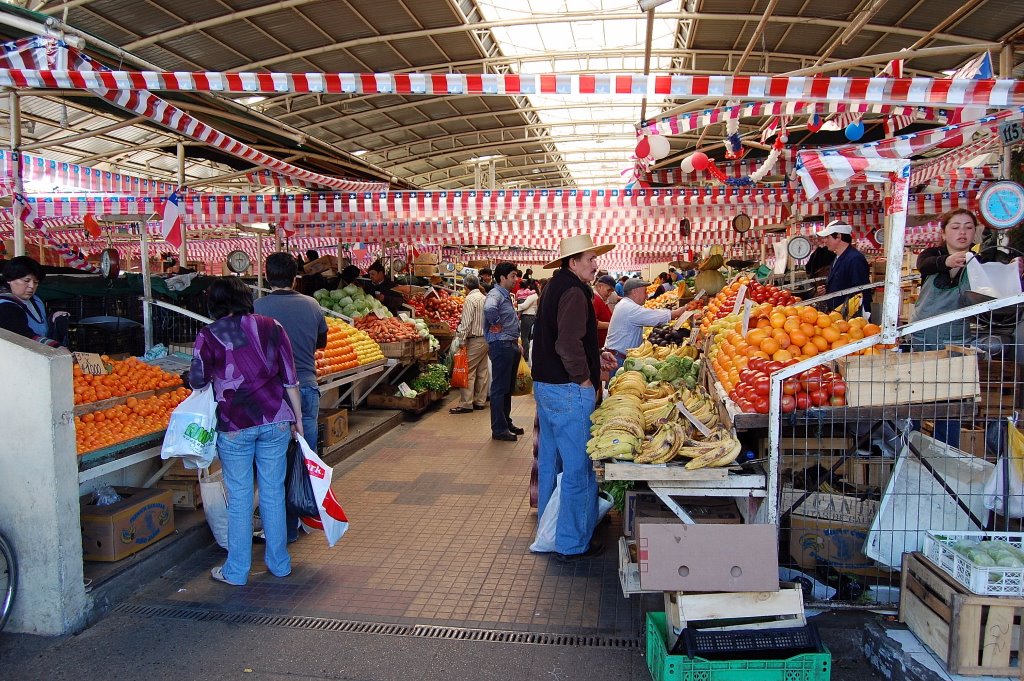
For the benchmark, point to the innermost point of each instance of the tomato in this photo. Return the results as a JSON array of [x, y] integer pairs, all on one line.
[[837, 401], [818, 398], [839, 389], [762, 386], [761, 405], [771, 366], [734, 395], [790, 386], [748, 375], [788, 404], [756, 363], [810, 380], [802, 401], [746, 406]]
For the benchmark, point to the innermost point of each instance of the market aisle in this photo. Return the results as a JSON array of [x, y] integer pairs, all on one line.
[[440, 532]]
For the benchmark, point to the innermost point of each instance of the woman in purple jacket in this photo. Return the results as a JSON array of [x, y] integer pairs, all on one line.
[[248, 359]]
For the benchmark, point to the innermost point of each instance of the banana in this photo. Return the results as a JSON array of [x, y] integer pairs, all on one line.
[[623, 450], [722, 454], [659, 444], [653, 417], [630, 426]]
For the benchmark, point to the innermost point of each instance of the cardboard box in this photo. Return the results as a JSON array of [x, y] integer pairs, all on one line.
[[813, 541], [646, 506], [893, 378], [141, 518], [333, 427], [629, 574], [680, 557], [425, 270], [834, 507], [426, 259], [321, 264], [186, 495]]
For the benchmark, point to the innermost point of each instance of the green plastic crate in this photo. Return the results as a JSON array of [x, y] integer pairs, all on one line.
[[665, 667]]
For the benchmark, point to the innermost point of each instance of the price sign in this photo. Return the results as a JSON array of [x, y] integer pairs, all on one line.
[[748, 305], [693, 419], [91, 363], [740, 296], [682, 318], [1012, 132]]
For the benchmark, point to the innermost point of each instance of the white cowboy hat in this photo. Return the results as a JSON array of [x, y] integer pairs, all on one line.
[[574, 245]]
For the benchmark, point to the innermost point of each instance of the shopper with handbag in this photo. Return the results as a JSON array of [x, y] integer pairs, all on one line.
[[470, 338], [248, 359]]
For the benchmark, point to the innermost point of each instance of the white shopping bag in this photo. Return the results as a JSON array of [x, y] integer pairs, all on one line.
[[545, 541], [994, 279], [215, 504], [332, 520], [192, 431]]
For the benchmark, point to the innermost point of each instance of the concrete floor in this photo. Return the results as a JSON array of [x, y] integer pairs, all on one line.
[[440, 530]]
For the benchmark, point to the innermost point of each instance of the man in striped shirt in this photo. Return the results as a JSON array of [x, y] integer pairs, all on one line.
[[470, 335]]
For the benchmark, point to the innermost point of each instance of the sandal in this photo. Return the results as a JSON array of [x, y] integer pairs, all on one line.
[[460, 410]]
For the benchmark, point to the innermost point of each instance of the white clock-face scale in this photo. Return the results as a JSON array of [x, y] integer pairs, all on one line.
[[238, 261], [798, 248]]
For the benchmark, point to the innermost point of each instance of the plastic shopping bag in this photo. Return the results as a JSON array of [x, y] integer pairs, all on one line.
[[545, 541], [460, 369], [192, 431], [299, 499], [215, 504], [524, 381], [331, 517], [1004, 490]]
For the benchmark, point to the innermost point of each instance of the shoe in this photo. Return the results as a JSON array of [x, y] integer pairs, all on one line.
[[479, 407], [217, 574], [517, 430], [259, 538], [506, 437], [596, 548], [460, 410]]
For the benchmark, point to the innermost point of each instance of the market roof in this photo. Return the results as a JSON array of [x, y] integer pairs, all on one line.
[[457, 141]]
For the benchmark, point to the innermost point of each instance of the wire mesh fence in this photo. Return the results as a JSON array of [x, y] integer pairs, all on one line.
[[911, 452]]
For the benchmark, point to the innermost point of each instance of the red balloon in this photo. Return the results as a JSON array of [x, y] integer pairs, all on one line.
[[643, 148], [699, 160]]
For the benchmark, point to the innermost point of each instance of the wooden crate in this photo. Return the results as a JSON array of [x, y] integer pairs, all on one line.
[[728, 611], [974, 635], [184, 493], [414, 404], [900, 378], [402, 350]]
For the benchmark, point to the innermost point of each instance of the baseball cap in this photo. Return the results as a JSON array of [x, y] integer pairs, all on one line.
[[836, 227], [606, 280], [634, 284]]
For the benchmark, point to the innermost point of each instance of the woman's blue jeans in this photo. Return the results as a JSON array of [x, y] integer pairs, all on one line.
[[266, 446]]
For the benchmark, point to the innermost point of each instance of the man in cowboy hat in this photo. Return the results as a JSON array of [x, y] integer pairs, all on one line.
[[566, 377]]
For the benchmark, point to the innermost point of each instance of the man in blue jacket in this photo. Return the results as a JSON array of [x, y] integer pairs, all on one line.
[[501, 330]]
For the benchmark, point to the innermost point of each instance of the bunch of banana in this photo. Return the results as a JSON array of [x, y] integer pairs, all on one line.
[[685, 351], [617, 429], [645, 349], [663, 445], [658, 390], [721, 453], [654, 415], [614, 444], [629, 383], [702, 406]]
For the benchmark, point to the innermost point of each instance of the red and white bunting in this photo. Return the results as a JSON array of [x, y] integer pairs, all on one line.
[[71, 175]]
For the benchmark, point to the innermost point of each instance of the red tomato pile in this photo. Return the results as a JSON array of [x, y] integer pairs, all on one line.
[[816, 387], [438, 308]]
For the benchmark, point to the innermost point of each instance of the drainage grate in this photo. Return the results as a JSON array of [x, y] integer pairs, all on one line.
[[348, 626]]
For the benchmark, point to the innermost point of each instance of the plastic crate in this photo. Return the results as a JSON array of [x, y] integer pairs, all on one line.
[[985, 581], [665, 667], [764, 644]]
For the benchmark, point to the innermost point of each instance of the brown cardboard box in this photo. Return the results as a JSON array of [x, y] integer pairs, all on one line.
[[333, 426], [321, 264], [814, 541], [141, 518], [834, 507], [425, 270], [681, 557], [899, 378], [646, 506]]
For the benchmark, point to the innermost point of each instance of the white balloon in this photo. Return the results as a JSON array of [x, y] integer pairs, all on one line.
[[660, 146], [686, 165]]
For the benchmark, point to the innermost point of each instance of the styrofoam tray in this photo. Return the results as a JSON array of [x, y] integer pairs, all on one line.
[[985, 581]]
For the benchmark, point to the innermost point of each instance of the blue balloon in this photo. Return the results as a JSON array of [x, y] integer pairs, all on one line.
[[854, 131]]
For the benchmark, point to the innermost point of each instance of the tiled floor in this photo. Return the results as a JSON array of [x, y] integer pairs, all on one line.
[[440, 532]]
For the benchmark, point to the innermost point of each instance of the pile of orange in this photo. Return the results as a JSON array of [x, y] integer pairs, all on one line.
[[134, 418], [347, 348], [786, 335], [724, 302], [126, 377]]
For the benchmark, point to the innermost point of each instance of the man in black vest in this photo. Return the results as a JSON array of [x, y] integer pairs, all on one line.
[[566, 377]]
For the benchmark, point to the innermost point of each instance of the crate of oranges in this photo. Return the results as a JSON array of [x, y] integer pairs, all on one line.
[[126, 377], [134, 420]]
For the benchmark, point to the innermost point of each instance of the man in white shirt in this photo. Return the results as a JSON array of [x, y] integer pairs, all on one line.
[[470, 335], [630, 317]]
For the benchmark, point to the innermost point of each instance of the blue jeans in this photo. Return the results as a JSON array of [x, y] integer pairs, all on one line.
[[266, 445], [564, 412], [310, 400], [504, 365]]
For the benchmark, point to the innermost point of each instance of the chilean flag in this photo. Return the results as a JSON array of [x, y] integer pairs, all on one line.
[[173, 220]]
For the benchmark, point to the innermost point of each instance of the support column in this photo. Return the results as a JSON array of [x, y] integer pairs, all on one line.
[[147, 285], [19, 187], [897, 223], [183, 249]]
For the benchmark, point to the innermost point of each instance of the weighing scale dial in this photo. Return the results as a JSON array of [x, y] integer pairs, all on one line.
[[741, 223], [110, 263], [799, 247], [1001, 204], [239, 261]]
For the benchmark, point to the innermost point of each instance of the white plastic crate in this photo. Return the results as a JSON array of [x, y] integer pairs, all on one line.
[[985, 581]]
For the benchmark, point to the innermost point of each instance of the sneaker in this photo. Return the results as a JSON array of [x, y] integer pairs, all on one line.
[[596, 548], [505, 437], [516, 430], [217, 574], [259, 538]]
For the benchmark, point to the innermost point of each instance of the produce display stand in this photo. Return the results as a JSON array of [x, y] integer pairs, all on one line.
[[352, 378], [94, 464]]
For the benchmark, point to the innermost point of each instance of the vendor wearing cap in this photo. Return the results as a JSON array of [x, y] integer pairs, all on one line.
[[626, 328], [382, 287], [849, 269]]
